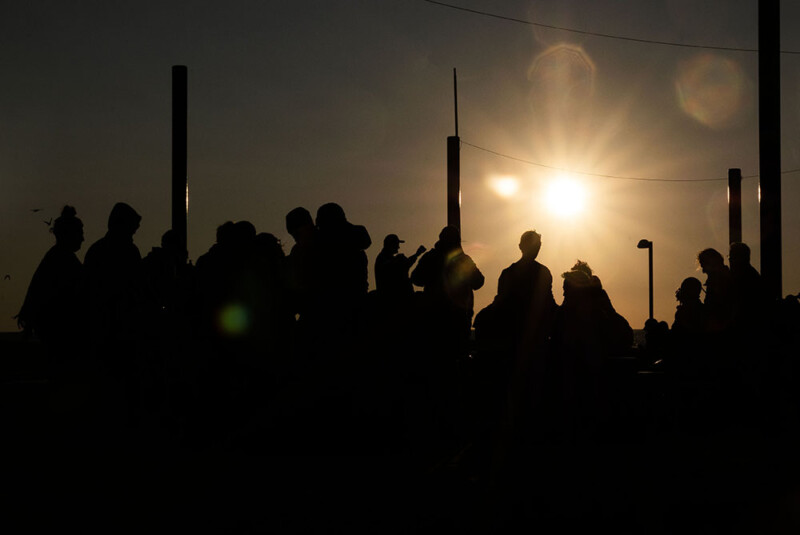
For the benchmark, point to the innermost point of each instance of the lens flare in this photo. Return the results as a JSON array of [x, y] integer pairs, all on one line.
[[504, 186], [233, 320], [712, 90], [562, 75]]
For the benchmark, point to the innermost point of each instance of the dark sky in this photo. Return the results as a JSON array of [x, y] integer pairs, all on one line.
[[302, 103]]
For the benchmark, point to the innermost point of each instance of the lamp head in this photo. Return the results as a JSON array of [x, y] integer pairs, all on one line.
[[644, 244]]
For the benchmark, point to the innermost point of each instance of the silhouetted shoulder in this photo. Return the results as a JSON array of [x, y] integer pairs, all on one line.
[[360, 237]]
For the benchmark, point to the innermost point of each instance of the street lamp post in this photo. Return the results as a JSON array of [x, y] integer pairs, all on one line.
[[647, 244]]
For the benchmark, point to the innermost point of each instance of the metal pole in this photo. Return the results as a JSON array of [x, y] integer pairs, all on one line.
[[650, 258], [454, 169], [455, 97], [454, 182], [769, 135], [735, 205], [180, 186]]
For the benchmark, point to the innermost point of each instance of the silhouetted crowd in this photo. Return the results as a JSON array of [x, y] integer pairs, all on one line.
[[255, 348]]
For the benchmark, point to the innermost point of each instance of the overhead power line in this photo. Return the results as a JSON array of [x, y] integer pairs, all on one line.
[[597, 34], [616, 177]]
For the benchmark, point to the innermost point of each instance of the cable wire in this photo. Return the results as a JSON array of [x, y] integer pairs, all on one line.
[[598, 34], [616, 177]]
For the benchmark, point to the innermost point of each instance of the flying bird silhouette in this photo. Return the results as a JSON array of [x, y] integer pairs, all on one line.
[[7, 277], [49, 222], [36, 210]]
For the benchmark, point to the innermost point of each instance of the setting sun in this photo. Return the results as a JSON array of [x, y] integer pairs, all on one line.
[[565, 197]]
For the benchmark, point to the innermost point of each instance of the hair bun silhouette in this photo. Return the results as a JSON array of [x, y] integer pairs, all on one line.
[[67, 223], [68, 211]]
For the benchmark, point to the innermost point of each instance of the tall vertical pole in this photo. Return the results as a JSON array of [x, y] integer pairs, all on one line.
[[769, 136], [650, 271], [180, 185], [734, 205], [454, 170]]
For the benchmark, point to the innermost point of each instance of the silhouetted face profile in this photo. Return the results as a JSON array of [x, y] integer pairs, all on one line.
[[391, 243], [710, 260], [689, 290], [739, 254], [530, 243], [298, 219]]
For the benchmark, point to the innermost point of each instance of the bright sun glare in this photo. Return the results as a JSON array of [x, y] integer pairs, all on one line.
[[565, 197], [504, 186]]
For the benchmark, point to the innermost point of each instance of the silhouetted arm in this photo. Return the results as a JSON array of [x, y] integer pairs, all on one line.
[[477, 278], [361, 238], [420, 276], [503, 286], [413, 258]]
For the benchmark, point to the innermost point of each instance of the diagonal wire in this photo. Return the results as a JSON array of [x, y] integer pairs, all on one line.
[[617, 177], [597, 34]]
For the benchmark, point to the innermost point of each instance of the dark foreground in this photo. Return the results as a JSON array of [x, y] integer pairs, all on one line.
[[69, 467]]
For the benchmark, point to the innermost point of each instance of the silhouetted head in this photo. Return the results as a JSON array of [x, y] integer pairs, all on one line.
[[269, 246], [583, 267], [449, 237], [710, 260], [225, 232], [739, 254], [172, 245], [169, 240], [689, 290], [123, 220], [392, 243], [68, 229], [298, 218], [530, 243], [330, 215], [243, 233], [575, 281], [655, 331]]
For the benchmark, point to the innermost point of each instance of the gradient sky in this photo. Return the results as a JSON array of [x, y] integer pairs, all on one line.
[[306, 102]]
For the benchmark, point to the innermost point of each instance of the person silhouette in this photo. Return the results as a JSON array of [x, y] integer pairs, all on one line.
[[303, 263], [449, 277], [748, 295], [687, 335], [168, 281], [343, 247], [115, 279], [513, 331], [525, 295], [273, 312], [52, 308], [392, 267], [588, 331], [342, 272], [115, 292], [718, 284], [690, 314], [617, 332]]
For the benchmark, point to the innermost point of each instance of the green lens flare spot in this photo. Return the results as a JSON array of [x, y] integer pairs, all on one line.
[[234, 320]]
